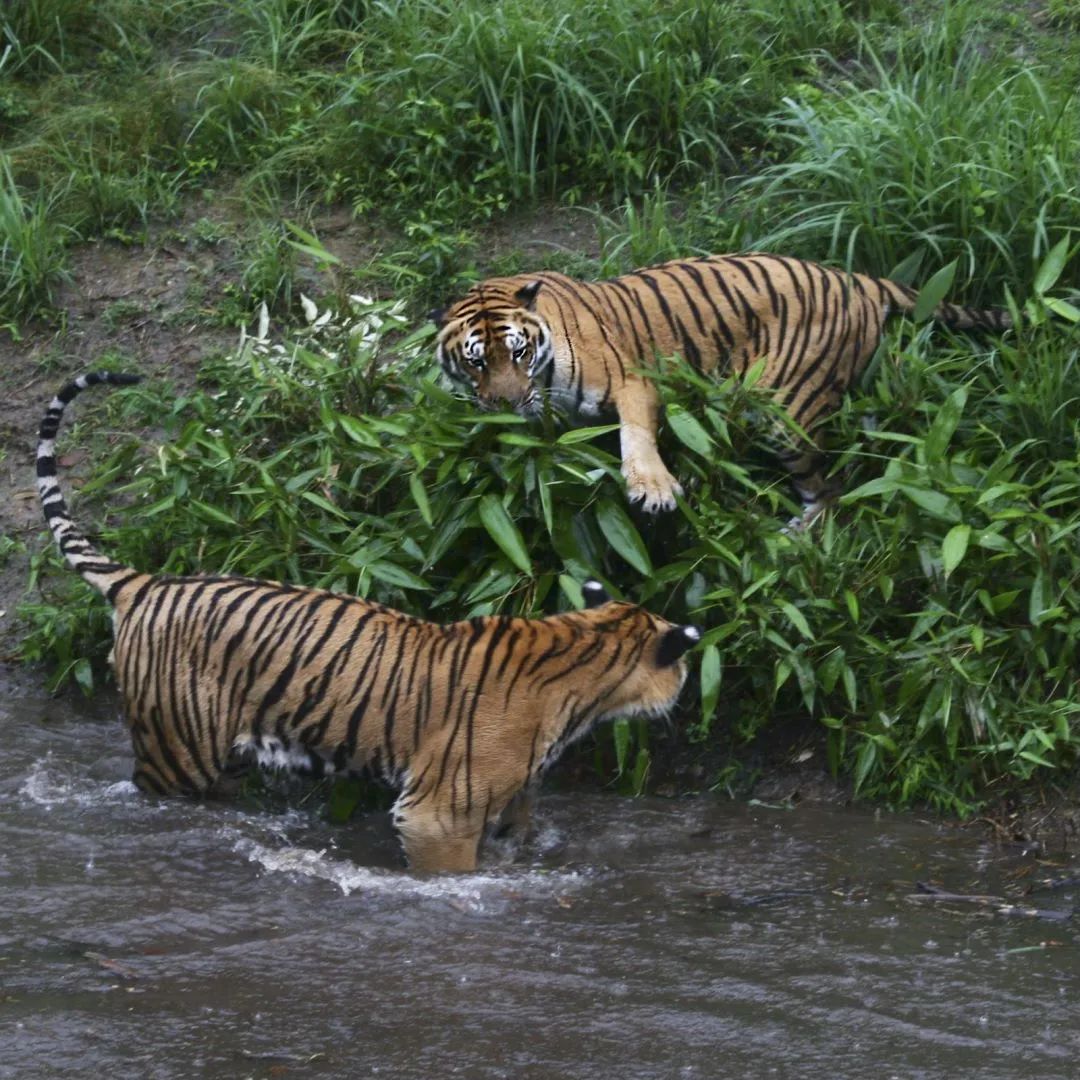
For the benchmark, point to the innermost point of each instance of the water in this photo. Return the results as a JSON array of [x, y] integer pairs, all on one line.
[[632, 939]]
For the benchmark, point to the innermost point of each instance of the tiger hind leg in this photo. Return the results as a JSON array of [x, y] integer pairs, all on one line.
[[805, 464]]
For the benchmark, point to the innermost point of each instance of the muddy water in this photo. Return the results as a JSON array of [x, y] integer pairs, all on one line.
[[650, 938]]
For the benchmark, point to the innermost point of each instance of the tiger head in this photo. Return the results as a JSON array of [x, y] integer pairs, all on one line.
[[496, 343], [644, 654]]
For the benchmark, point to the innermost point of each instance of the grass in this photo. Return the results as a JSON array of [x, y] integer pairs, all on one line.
[[927, 628]]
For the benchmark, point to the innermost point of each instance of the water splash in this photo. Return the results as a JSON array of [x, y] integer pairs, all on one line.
[[48, 786], [473, 891]]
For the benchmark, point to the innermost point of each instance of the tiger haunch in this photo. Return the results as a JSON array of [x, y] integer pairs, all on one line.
[[463, 718], [517, 339]]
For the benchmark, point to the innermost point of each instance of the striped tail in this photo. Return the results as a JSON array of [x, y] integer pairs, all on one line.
[[953, 316], [103, 574]]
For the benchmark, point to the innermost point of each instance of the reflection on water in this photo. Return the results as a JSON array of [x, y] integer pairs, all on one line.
[[648, 938]]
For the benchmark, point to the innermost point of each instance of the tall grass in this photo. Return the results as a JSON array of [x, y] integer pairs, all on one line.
[[33, 259], [940, 149]]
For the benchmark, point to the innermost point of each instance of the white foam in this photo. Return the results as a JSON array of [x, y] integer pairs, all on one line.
[[48, 786], [471, 890]]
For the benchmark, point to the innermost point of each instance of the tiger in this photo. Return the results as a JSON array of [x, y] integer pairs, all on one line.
[[462, 718], [586, 346]]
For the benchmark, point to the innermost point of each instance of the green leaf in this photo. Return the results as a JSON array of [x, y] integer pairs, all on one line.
[[880, 485], [945, 424], [1028, 755], [852, 602], [504, 532], [571, 587], [393, 574], [84, 675], [933, 292], [711, 674], [688, 431], [345, 796], [798, 619], [359, 432], [420, 497], [904, 271], [865, 761], [544, 481], [586, 434], [323, 504], [934, 503], [157, 507], [1050, 268], [1062, 308], [954, 547], [213, 512], [641, 771], [310, 245], [1039, 598], [620, 533]]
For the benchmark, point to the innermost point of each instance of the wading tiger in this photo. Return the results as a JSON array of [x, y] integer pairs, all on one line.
[[219, 672], [583, 344]]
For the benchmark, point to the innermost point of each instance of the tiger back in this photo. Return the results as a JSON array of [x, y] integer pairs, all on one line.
[[462, 718], [517, 340]]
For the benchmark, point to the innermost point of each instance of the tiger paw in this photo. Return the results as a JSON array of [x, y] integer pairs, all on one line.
[[654, 488]]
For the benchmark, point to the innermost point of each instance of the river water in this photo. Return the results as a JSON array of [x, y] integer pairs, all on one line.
[[695, 937]]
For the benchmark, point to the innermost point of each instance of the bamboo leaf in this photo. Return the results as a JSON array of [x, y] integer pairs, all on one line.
[[945, 424], [620, 533], [933, 292], [689, 431], [797, 618], [393, 574], [935, 503], [621, 736], [420, 497], [586, 434], [954, 547], [711, 675], [1050, 268], [504, 532]]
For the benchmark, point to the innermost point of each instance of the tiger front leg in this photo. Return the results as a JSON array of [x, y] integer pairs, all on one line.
[[516, 819], [435, 846], [647, 478]]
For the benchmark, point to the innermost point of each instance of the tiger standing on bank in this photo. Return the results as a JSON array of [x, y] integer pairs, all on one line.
[[217, 672], [583, 345]]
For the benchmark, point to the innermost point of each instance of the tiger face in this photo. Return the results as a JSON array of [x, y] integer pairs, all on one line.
[[497, 346]]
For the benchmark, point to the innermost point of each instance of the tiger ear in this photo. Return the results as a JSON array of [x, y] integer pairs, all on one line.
[[526, 295], [594, 593], [438, 316], [675, 642]]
